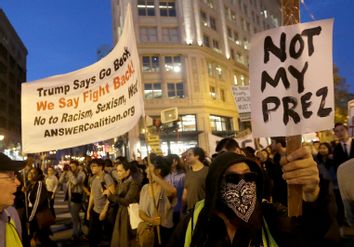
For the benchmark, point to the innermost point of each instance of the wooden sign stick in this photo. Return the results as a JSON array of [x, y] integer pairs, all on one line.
[[151, 186], [291, 15]]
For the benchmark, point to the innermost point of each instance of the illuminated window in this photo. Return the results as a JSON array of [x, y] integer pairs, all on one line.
[[218, 123], [187, 123], [175, 90], [233, 17], [210, 69], [236, 38], [245, 44], [242, 79], [173, 63], [148, 34], [167, 8], [204, 18], [170, 34], [151, 64], [212, 92], [235, 79], [146, 8], [152, 91], [219, 72]]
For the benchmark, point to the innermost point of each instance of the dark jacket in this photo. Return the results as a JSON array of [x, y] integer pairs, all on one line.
[[127, 192], [339, 156], [316, 227]]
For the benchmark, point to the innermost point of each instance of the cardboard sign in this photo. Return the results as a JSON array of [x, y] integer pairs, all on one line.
[[242, 98], [101, 101], [291, 80]]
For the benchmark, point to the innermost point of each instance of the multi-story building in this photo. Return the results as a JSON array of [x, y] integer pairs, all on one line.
[[192, 53], [13, 55]]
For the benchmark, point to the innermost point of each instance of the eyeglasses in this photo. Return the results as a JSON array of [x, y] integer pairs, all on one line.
[[10, 176]]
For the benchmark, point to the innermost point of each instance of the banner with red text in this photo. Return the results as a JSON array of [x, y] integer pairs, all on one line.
[[99, 102], [291, 80]]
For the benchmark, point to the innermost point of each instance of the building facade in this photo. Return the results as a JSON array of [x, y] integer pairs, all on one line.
[[192, 53], [13, 56]]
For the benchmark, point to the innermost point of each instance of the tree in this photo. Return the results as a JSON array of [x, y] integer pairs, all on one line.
[[341, 97]]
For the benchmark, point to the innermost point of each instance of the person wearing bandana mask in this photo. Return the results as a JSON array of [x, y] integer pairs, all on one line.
[[234, 212]]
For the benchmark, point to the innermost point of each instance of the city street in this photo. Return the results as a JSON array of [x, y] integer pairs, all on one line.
[[62, 230]]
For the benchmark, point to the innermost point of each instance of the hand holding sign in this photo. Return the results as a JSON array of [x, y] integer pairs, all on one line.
[[292, 92]]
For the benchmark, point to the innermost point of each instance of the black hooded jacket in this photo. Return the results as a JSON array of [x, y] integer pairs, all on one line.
[[316, 227]]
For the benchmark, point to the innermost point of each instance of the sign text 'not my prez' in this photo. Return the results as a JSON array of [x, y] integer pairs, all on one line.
[[291, 77]]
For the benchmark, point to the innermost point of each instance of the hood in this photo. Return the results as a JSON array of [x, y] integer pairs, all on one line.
[[216, 171]]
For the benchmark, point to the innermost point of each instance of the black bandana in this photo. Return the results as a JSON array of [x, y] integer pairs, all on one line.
[[241, 198], [238, 195]]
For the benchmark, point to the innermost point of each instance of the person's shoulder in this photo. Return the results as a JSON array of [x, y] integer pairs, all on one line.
[[346, 167]]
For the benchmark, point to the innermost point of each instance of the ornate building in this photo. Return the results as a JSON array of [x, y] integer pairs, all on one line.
[[192, 53]]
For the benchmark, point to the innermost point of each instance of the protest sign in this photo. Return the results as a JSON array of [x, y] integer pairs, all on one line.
[[101, 101], [291, 80], [242, 98]]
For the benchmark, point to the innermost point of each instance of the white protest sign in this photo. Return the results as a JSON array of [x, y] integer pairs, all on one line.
[[291, 80], [101, 101], [242, 98]]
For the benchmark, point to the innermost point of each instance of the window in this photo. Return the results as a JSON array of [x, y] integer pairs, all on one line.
[[233, 17], [235, 79], [222, 95], [187, 123], [173, 64], [219, 72], [148, 34], [204, 18], [151, 64], [232, 54], [175, 90], [167, 8], [212, 23], [227, 12], [210, 69], [210, 3], [242, 78], [212, 92], [236, 38], [146, 8], [216, 45], [229, 33], [152, 91], [245, 44], [170, 34], [219, 123], [239, 57], [206, 41]]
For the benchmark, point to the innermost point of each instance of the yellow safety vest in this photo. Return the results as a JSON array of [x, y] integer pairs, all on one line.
[[12, 237], [267, 238]]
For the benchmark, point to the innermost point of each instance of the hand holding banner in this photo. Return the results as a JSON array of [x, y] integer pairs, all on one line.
[[101, 101]]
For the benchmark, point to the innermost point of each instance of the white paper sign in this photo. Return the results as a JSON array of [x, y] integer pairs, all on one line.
[[101, 101], [291, 80], [242, 98]]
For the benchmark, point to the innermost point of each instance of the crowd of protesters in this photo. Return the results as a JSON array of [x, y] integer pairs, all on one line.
[[167, 190]]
